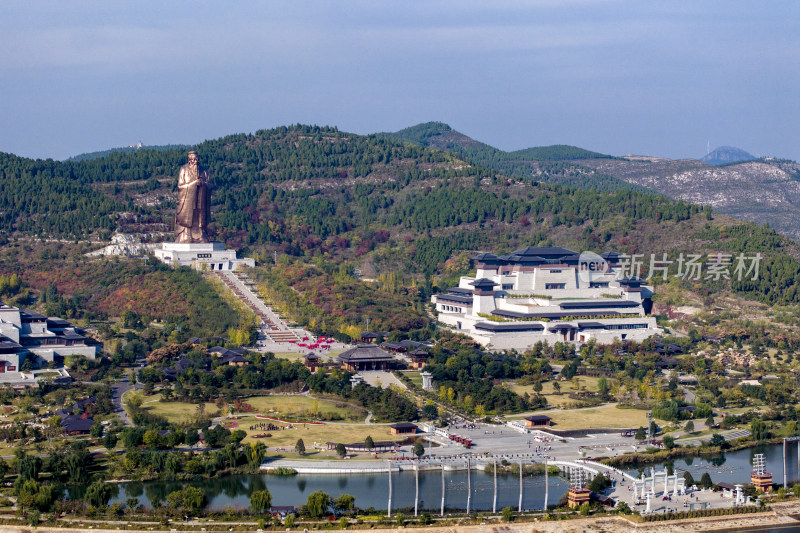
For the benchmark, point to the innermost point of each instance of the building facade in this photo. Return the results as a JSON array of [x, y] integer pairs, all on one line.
[[550, 295], [28, 334]]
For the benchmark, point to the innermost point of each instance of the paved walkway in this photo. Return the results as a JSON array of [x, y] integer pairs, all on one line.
[[274, 334], [384, 378]]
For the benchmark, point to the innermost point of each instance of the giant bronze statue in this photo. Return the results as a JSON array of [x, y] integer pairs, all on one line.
[[192, 216]]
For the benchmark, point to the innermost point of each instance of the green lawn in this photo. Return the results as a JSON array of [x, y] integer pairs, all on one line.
[[414, 376]]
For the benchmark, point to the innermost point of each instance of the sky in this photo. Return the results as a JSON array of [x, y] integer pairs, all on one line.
[[618, 77]]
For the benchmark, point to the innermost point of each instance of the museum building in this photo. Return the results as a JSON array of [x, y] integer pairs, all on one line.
[[547, 294], [25, 333]]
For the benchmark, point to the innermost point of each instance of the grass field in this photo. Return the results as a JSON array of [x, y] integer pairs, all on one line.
[[548, 391], [608, 416], [176, 412], [305, 406], [281, 406], [415, 377], [313, 433]]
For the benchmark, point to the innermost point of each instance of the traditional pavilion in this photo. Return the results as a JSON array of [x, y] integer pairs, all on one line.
[[537, 421], [366, 357], [419, 358], [311, 362]]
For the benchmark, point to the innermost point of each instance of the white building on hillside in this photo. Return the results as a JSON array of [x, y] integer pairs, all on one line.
[[25, 333], [547, 294]]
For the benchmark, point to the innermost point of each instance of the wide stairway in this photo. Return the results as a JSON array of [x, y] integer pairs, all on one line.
[[274, 328]]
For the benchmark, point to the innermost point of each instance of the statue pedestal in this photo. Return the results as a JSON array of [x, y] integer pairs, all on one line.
[[201, 255]]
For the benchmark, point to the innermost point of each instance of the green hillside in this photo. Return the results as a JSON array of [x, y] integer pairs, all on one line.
[[414, 213], [124, 150], [551, 164]]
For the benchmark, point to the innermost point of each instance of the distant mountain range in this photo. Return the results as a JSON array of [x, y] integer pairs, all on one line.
[[734, 182]]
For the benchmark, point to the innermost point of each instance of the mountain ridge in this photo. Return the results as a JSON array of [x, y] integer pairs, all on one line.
[[550, 164], [733, 182], [317, 194]]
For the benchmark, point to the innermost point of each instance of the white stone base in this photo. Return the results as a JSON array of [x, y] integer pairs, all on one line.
[[202, 256]]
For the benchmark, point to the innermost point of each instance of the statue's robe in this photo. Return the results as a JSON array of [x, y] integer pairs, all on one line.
[[193, 204]]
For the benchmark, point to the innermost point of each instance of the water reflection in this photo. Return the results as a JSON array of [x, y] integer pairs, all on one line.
[[371, 490]]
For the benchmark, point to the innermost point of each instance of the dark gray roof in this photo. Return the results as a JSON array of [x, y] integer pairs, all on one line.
[[464, 300], [552, 316], [611, 255], [505, 326], [7, 345], [83, 403], [631, 280], [365, 352], [407, 344], [459, 290], [594, 304], [514, 258], [403, 425], [392, 345], [591, 325], [563, 325], [31, 315], [234, 358], [547, 251], [75, 423], [483, 282], [537, 418], [70, 335], [485, 257]]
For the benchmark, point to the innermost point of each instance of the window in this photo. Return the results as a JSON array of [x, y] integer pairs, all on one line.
[[598, 284], [508, 286], [549, 286], [626, 326], [557, 271], [203, 256]]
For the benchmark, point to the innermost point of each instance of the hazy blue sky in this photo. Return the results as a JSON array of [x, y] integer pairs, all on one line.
[[656, 78]]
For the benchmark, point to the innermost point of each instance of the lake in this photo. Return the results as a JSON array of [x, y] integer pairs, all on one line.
[[371, 490]]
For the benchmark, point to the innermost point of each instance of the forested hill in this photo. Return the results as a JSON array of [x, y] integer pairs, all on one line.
[[317, 193], [552, 164], [124, 150]]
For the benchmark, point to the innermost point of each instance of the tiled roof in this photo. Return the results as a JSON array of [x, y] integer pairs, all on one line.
[[365, 352]]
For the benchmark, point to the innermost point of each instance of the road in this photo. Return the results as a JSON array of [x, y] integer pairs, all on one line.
[[119, 389]]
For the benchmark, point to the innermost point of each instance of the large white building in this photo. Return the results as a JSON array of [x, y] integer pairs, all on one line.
[[547, 294], [27, 334]]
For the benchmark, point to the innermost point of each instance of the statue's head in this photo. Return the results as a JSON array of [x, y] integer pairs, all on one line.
[[193, 157]]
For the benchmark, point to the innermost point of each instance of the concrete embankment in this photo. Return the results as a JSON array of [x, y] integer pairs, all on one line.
[[361, 467], [778, 517]]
